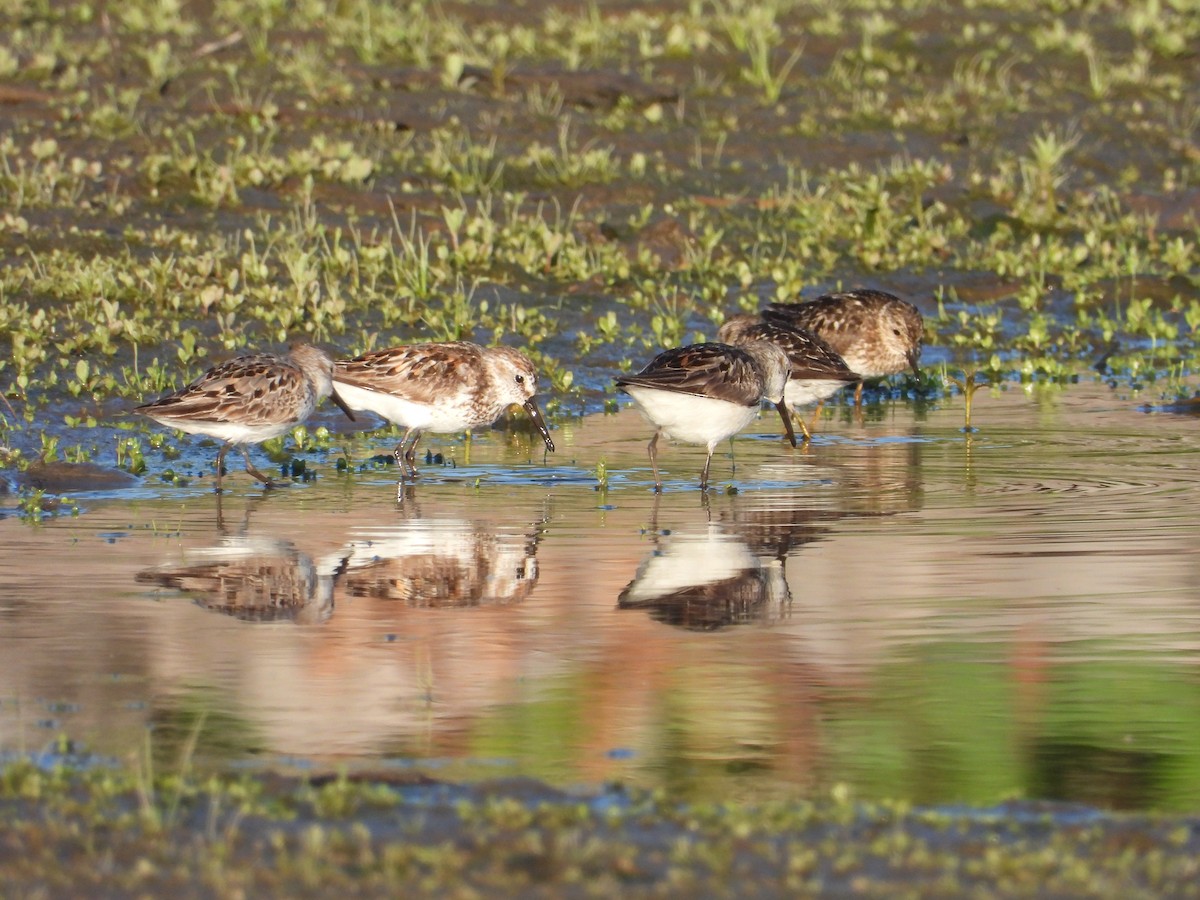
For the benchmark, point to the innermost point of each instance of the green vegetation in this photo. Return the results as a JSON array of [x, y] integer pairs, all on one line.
[[137, 832], [181, 182], [178, 184]]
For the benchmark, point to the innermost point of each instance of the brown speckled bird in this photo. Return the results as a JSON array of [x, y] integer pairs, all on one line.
[[250, 399], [875, 332], [443, 387], [705, 393]]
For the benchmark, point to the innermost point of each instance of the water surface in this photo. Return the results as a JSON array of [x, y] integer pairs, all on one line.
[[903, 608]]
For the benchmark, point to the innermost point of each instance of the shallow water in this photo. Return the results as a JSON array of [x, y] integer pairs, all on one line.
[[902, 608]]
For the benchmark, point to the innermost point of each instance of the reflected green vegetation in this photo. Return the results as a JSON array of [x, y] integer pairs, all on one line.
[[540, 736], [1107, 733], [1115, 735], [202, 723]]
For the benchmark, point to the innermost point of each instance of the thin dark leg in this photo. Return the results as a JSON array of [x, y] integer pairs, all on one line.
[[405, 454], [220, 464], [257, 474], [651, 449], [704, 471]]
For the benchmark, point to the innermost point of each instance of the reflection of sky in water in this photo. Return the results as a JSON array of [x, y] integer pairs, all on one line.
[[898, 607]]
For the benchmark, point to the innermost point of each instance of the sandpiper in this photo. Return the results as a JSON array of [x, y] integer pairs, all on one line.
[[705, 393], [250, 399], [875, 332], [818, 371], [443, 387]]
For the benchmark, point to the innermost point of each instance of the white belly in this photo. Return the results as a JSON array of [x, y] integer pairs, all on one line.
[[446, 416], [696, 420], [804, 392], [238, 432], [235, 433]]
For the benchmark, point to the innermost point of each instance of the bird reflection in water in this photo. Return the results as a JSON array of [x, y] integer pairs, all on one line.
[[704, 581], [730, 571], [777, 526], [253, 577], [442, 563], [256, 579], [422, 562]]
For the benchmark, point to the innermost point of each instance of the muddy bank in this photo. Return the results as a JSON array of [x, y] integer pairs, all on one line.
[[401, 833]]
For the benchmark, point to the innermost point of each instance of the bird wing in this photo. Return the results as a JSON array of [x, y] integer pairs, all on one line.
[[421, 373], [250, 390], [832, 314], [810, 357], [811, 314], [706, 370]]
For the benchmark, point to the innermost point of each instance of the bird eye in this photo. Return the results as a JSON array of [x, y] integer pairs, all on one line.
[[896, 332], [520, 379]]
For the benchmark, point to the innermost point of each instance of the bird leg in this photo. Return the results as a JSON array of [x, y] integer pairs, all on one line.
[[220, 464], [257, 474], [404, 453], [704, 471], [804, 427], [654, 461], [816, 416]]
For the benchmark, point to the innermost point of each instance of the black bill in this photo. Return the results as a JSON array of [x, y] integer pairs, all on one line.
[[333, 395], [914, 360], [786, 415], [531, 407]]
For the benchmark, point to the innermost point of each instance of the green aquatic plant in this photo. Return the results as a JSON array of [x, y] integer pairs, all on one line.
[[464, 165], [325, 833], [1042, 174], [967, 385], [35, 504], [130, 456], [566, 163], [458, 314], [229, 187], [760, 44], [602, 478]]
